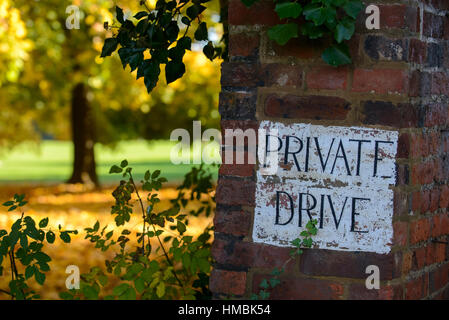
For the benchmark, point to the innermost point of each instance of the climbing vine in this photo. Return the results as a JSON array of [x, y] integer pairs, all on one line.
[[324, 19], [304, 241]]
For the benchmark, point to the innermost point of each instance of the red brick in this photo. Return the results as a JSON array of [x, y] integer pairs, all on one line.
[[329, 263], [243, 254], [293, 288], [392, 16], [419, 230], [434, 198], [240, 74], [306, 107], [417, 288], [400, 233], [237, 223], [436, 253], [243, 45], [417, 51], [228, 282], [439, 278], [281, 75], [433, 25], [440, 83], [425, 201], [235, 192], [300, 48], [386, 292], [259, 13], [240, 170], [327, 78], [379, 80], [403, 146], [407, 259], [419, 258]]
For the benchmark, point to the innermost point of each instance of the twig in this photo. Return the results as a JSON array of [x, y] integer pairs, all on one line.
[[155, 232]]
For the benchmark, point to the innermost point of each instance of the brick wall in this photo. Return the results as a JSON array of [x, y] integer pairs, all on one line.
[[400, 81]]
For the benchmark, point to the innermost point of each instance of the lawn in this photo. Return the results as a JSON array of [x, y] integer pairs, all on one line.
[[51, 161]]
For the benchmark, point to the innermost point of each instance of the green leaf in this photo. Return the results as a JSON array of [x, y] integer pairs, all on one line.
[[181, 227], [209, 51], [43, 223], [344, 30], [337, 55], [12, 208], [185, 43], [315, 13], [124, 164], [29, 271], [195, 10], [174, 70], [288, 10], [65, 237], [156, 174], [353, 8], [140, 15], [264, 284], [160, 290], [66, 295], [90, 293], [139, 283], [201, 33], [282, 33], [120, 289], [120, 16], [115, 169], [8, 203], [110, 45], [39, 276]]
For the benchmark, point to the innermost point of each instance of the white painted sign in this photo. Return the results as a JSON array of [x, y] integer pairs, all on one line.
[[341, 176]]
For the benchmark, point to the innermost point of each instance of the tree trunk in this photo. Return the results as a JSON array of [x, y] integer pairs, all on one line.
[[84, 168]]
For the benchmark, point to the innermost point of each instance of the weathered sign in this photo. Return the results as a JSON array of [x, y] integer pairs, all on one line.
[[341, 176]]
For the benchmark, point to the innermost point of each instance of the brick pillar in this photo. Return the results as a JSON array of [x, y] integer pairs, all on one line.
[[399, 81]]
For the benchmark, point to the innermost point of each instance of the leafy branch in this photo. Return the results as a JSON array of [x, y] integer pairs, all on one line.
[[317, 19]]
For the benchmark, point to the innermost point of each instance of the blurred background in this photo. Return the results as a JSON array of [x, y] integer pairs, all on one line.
[[45, 70]]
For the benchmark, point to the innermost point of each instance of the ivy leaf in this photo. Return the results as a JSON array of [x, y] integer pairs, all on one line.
[[344, 30], [353, 8], [110, 45], [282, 33], [174, 70], [315, 13], [201, 33], [120, 16], [288, 10], [310, 30], [337, 55]]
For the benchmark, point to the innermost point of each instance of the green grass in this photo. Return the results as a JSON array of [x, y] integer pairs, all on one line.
[[51, 162]]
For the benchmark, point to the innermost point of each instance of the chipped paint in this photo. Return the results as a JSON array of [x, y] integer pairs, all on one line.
[[338, 176]]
